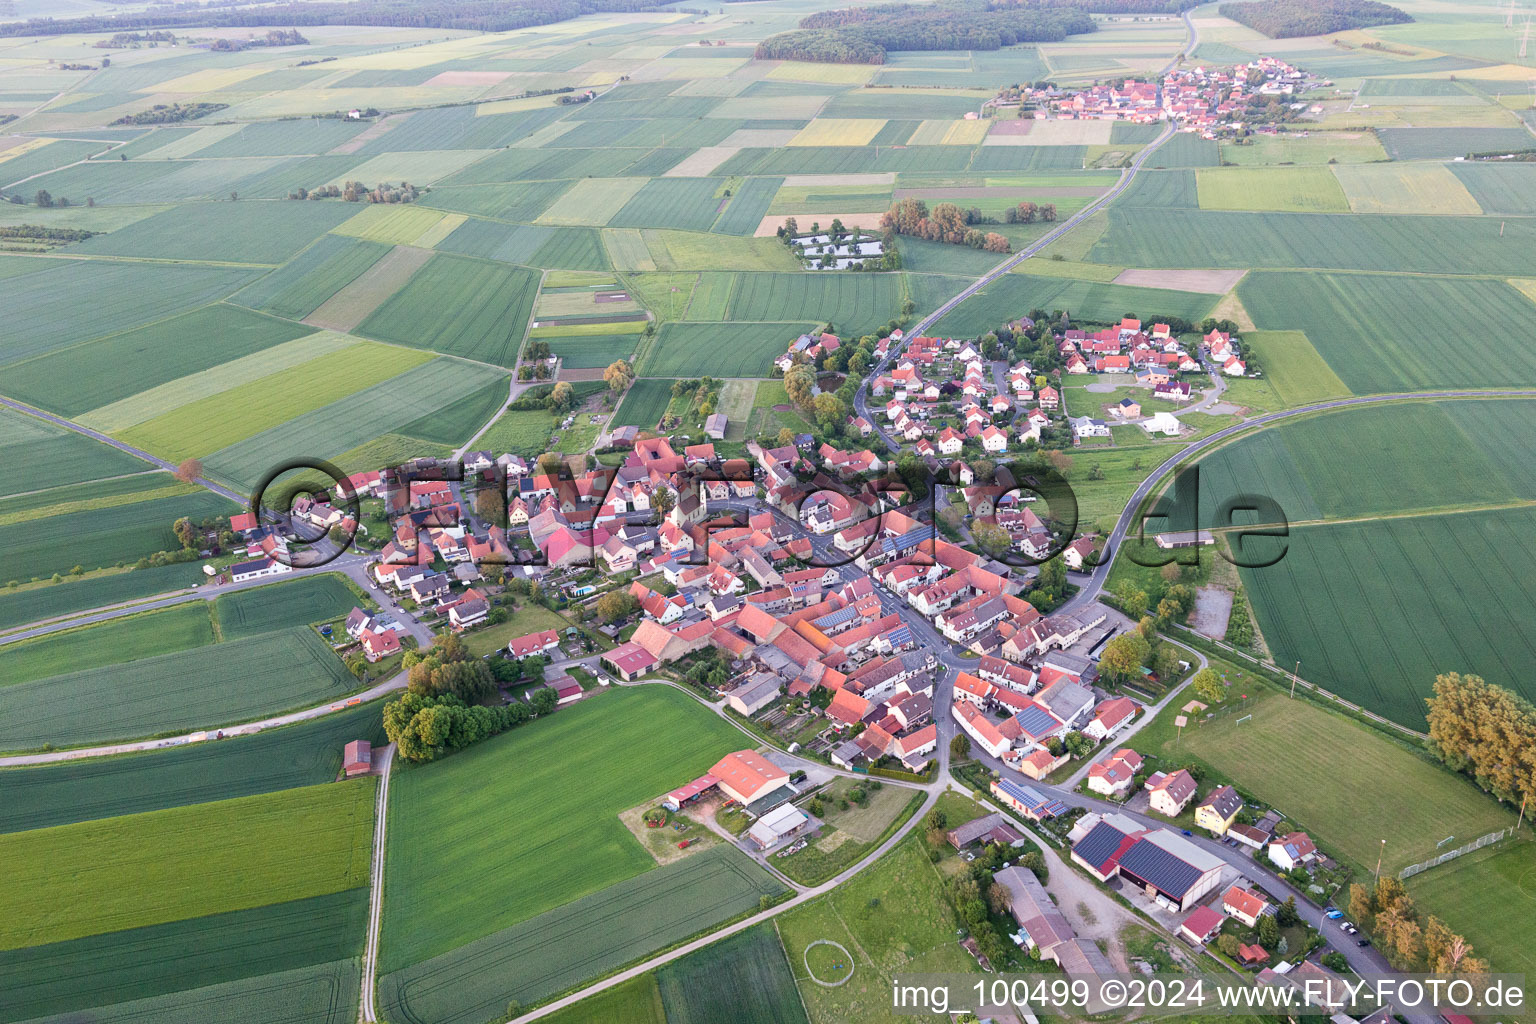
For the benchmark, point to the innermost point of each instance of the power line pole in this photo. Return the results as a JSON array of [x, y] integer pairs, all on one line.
[[1380, 855], [1509, 19], [1525, 40], [1294, 673], [1521, 820]]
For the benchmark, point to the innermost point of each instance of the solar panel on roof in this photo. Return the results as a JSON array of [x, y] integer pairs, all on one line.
[[1099, 844], [1035, 720], [1156, 866]]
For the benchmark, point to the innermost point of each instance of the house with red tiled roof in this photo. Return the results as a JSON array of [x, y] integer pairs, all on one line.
[[542, 642], [379, 645], [1113, 775], [1245, 905], [1110, 717]]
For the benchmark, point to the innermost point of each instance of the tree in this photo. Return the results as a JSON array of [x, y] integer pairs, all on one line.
[[619, 374], [1228, 944], [1133, 601], [1359, 902], [561, 398], [1124, 656], [800, 384], [1077, 744], [43, 199], [1209, 687], [616, 604], [786, 437], [1269, 932], [991, 538], [544, 701], [663, 500], [1286, 913], [189, 470], [490, 506], [185, 532], [960, 746]]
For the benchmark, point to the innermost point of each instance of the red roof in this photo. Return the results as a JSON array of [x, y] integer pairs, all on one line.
[[1202, 922], [242, 522], [630, 658]]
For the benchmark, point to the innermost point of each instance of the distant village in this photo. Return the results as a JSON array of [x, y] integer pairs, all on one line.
[[1208, 100]]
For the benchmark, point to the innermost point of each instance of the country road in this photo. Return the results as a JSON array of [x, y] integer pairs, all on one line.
[[376, 888]]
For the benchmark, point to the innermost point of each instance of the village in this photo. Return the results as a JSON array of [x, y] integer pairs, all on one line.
[[1212, 101]]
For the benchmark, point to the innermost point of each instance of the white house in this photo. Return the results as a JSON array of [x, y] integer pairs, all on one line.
[[1165, 423], [257, 569], [1083, 426], [1287, 852]]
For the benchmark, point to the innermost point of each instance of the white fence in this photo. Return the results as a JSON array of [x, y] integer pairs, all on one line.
[[1476, 844]]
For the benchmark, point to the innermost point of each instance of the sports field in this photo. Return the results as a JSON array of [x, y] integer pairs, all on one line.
[[1490, 898], [146, 869], [1308, 762], [445, 879]]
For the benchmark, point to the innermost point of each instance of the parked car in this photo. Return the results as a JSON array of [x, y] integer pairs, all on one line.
[[1334, 915], [1363, 942], [1188, 832]]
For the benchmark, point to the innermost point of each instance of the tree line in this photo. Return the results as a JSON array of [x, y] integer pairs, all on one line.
[[1486, 732], [862, 35], [1283, 19], [471, 15], [276, 37], [171, 113], [945, 223], [1394, 922]]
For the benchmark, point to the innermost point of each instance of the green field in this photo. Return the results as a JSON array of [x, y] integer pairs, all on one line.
[[1500, 188], [357, 419], [636, 1001], [1314, 148], [463, 307], [1447, 143], [748, 206], [579, 941], [1355, 323], [210, 424], [70, 595], [113, 642], [644, 403], [745, 978], [32, 449], [688, 204], [263, 233], [267, 964], [277, 606], [1143, 237], [183, 690], [119, 535], [145, 869], [522, 432], [1400, 456], [1016, 294], [305, 754], [146, 358], [458, 420], [718, 349], [1290, 189], [438, 901], [1294, 369], [297, 288], [1337, 602], [592, 351]]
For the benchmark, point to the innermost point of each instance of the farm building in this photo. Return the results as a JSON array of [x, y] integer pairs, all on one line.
[[1185, 539], [777, 825], [629, 661], [566, 688], [746, 776], [357, 758], [755, 694], [258, 569], [715, 424], [685, 795], [1042, 926], [1170, 869], [989, 828]]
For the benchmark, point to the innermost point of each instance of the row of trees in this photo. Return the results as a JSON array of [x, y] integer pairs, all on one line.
[[1126, 655], [167, 113], [1283, 19], [424, 728], [357, 192], [274, 37], [1394, 921], [862, 35], [1028, 213], [1487, 732], [946, 222]]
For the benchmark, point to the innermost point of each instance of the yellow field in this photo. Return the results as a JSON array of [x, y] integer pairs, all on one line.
[[832, 74], [439, 231], [592, 201], [949, 133], [513, 106], [1526, 287], [838, 131], [25, 147], [627, 249], [210, 79], [391, 223], [1405, 188], [414, 57]]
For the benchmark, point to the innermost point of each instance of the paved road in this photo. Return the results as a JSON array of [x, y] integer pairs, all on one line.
[[137, 453], [376, 890]]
